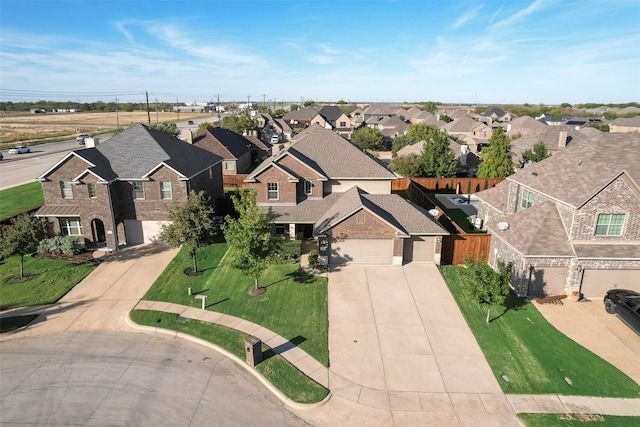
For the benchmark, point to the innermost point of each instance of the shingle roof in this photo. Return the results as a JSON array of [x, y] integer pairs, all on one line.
[[496, 196], [334, 156], [628, 121], [497, 111], [525, 124], [608, 250], [577, 173], [537, 231], [303, 114], [393, 209], [331, 113], [223, 142], [463, 124]]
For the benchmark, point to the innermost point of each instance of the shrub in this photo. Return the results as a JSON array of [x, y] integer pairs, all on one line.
[[59, 245], [288, 251], [313, 259]]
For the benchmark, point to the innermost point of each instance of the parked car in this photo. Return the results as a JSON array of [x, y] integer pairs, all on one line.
[[1, 156], [626, 304], [81, 138], [20, 149], [190, 122], [275, 139]]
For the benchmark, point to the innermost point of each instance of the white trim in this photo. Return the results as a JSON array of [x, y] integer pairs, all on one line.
[[60, 162]]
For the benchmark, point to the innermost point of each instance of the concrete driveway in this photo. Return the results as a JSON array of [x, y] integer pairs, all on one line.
[[402, 354], [588, 324]]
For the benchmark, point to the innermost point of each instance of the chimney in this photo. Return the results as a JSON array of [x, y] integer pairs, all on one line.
[[90, 142], [562, 140]]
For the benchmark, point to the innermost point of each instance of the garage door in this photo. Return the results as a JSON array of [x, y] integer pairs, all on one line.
[[547, 281], [361, 251], [138, 232], [596, 283], [419, 249]]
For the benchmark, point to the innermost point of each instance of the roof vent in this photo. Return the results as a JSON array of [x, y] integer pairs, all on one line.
[[534, 173], [503, 226]]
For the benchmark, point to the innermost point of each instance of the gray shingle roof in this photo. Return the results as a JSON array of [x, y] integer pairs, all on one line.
[[463, 124], [577, 173], [331, 113], [334, 156], [303, 114], [608, 251], [223, 142]]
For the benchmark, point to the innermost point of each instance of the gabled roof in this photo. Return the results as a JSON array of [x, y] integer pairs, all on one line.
[[138, 150], [223, 142], [331, 113], [405, 217], [627, 122], [527, 226], [525, 124], [257, 143], [303, 114], [497, 111], [463, 124], [381, 110], [581, 170]]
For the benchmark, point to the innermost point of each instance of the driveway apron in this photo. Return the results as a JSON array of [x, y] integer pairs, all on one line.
[[402, 354]]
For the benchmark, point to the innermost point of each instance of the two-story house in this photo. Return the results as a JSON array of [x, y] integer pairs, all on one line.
[[119, 191], [332, 117], [475, 134], [235, 149], [570, 223], [324, 187]]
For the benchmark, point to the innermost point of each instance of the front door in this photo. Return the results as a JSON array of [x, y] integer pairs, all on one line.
[[97, 230]]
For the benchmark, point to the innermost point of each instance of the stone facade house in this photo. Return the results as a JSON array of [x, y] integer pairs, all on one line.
[[119, 192], [325, 188], [570, 223]]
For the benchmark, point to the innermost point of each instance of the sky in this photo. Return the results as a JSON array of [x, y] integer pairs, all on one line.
[[480, 52]]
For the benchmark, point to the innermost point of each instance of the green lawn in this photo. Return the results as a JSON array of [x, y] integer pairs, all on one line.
[[23, 198], [522, 345], [564, 420], [48, 280], [294, 306]]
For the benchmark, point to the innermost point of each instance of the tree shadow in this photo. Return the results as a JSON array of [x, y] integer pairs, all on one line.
[[301, 276], [292, 343], [511, 302]]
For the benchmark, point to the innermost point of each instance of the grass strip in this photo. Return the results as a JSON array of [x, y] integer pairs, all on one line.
[[284, 376], [536, 358], [20, 199], [45, 281], [577, 420]]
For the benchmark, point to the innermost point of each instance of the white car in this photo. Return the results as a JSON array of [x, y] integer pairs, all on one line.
[[20, 149], [275, 139], [82, 137]]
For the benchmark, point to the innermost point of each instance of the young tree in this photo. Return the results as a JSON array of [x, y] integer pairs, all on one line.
[[367, 138], [422, 132], [407, 166], [538, 153], [23, 238], [399, 142], [205, 125], [430, 107], [437, 158], [249, 236], [485, 286], [496, 159], [192, 225]]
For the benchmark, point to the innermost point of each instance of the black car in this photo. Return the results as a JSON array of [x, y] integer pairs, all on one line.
[[626, 304]]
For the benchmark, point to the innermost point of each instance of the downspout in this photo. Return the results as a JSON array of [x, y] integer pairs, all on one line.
[[114, 226]]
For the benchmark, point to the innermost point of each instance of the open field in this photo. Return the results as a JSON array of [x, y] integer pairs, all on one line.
[[49, 127]]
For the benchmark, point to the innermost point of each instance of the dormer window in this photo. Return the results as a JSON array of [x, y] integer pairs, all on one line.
[[610, 224], [527, 199]]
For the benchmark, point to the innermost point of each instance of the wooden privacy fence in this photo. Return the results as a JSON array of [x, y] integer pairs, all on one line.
[[457, 247], [467, 185], [235, 181]]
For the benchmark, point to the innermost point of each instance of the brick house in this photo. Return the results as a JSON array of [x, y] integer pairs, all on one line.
[[325, 188], [332, 117], [235, 150], [118, 192], [570, 223]]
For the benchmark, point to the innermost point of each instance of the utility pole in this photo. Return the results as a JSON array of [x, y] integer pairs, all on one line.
[[177, 108], [117, 119], [218, 108], [148, 113], [248, 103], [156, 110], [264, 100]]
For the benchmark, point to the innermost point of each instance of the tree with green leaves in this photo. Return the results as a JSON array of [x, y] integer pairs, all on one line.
[[422, 132], [170, 128], [437, 159], [367, 138], [485, 286], [205, 125], [496, 158], [192, 225], [239, 124], [23, 237], [399, 142], [538, 153], [430, 107], [407, 166], [249, 236], [293, 107]]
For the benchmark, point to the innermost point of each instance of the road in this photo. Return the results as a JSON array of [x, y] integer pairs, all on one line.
[[17, 169], [106, 378]]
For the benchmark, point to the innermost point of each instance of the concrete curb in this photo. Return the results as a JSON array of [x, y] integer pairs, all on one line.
[[284, 399]]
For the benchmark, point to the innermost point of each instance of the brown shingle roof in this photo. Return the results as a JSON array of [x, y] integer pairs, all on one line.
[[60, 211]]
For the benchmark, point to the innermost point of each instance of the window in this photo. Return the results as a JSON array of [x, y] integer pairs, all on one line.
[[138, 189], [91, 189], [343, 124], [527, 199], [280, 230], [70, 227], [609, 225], [308, 187], [165, 190], [66, 190], [272, 191], [229, 166]]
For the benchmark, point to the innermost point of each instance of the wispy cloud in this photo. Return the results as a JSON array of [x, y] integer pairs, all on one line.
[[470, 15], [517, 17]]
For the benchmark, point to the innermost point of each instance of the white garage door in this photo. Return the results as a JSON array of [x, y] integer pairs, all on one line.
[[361, 251], [419, 249], [138, 232], [596, 283], [547, 281]]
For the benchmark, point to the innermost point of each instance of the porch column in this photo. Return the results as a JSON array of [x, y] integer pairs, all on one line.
[[292, 232]]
